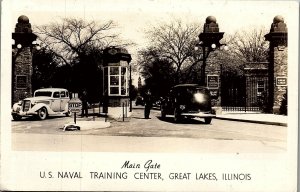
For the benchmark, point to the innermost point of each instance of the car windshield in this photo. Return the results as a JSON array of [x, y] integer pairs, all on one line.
[[43, 93], [193, 90], [200, 90]]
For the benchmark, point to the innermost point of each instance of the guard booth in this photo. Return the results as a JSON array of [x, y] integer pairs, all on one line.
[[116, 82]]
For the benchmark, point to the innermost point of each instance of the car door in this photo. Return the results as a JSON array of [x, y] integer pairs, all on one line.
[[64, 98], [55, 106]]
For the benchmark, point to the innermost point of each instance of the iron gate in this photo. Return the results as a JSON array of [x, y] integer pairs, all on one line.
[[243, 93]]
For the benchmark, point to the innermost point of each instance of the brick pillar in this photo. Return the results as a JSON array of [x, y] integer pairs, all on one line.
[[22, 60], [22, 73], [213, 73], [278, 63]]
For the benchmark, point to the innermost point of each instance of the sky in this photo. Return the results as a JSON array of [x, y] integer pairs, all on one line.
[[133, 16]]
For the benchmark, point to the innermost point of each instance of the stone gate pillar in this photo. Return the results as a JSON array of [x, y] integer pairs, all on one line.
[[22, 59], [277, 71], [213, 79]]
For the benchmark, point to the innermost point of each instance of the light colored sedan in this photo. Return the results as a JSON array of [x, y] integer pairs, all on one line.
[[44, 103]]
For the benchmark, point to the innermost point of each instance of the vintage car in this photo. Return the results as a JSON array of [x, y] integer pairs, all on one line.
[[44, 103], [187, 100], [139, 101]]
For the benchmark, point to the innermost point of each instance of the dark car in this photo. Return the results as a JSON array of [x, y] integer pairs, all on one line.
[[139, 101], [187, 100]]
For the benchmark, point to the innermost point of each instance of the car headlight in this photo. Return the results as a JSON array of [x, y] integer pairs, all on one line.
[[182, 107], [199, 97], [33, 103]]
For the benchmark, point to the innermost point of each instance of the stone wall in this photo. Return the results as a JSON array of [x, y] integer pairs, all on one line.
[[213, 68], [22, 66], [280, 70]]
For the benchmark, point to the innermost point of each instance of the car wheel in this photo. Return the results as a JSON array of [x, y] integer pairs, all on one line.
[[17, 117], [68, 114], [207, 120], [42, 113], [177, 116]]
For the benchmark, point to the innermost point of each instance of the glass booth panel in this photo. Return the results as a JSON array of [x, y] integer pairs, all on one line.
[[114, 80], [118, 81], [123, 91], [114, 70], [114, 90]]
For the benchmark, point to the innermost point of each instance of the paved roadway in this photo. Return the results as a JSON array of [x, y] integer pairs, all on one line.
[[137, 134]]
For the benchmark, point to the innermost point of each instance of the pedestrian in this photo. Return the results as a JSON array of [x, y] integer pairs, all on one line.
[[148, 103], [84, 110]]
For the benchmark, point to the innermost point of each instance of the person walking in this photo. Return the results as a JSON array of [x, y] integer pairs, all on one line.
[[84, 110], [148, 103]]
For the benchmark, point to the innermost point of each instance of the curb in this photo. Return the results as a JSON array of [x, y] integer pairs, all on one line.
[[253, 121]]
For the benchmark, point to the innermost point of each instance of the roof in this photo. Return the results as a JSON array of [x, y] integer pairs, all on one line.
[[52, 89]]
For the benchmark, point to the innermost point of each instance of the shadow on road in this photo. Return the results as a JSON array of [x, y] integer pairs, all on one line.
[[32, 118], [138, 118], [183, 121]]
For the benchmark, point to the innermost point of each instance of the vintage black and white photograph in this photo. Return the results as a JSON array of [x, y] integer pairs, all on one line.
[[151, 95]]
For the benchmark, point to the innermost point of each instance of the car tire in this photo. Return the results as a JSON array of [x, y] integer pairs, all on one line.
[[17, 117], [68, 114], [42, 113], [207, 120], [177, 116]]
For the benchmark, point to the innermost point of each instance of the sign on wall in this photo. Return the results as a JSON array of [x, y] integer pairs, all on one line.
[[21, 81], [281, 81], [213, 81]]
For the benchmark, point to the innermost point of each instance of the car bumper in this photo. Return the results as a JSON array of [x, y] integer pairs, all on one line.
[[199, 114], [22, 113]]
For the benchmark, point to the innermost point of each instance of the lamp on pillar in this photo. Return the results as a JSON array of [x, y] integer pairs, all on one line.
[[209, 41], [22, 59]]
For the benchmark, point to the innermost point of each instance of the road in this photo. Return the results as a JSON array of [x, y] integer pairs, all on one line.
[[139, 135]]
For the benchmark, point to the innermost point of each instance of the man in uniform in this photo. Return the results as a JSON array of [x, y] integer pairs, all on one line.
[[148, 103]]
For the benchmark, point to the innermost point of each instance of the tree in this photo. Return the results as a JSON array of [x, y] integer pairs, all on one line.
[[250, 46], [77, 45], [244, 47], [74, 37], [174, 43], [44, 69]]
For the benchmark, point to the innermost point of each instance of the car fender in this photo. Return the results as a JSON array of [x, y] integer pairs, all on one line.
[[16, 106], [38, 106]]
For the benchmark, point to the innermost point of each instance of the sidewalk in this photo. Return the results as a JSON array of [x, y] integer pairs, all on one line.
[[262, 118], [252, 117]]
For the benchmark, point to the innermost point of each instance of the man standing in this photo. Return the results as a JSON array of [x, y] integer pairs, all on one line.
[[84, 111], [148, 103]]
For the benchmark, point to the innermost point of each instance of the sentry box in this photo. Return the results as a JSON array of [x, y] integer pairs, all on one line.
[[116, 82]]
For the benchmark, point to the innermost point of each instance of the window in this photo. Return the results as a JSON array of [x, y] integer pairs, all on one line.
[[62, 94], [260, 87], [43, 93], [118, 81], [56, 94]]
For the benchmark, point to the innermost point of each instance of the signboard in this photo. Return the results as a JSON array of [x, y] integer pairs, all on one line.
[[75, 105], [21, 81], [213, 92], [213, 81], [281, 81]]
